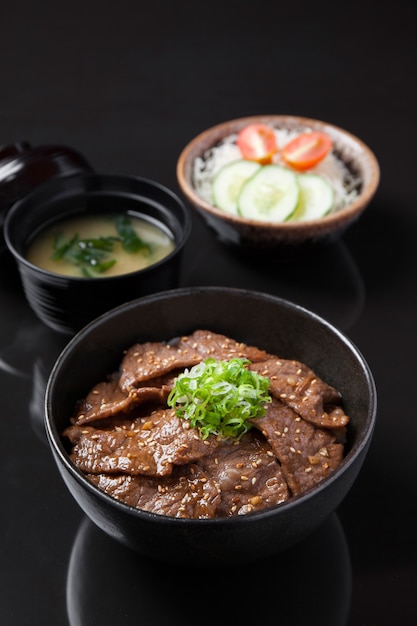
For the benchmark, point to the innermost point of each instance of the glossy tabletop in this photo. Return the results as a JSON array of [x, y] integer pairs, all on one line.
[[128, 85]]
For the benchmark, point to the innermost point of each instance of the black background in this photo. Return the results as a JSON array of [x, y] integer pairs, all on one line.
[[128, 84]]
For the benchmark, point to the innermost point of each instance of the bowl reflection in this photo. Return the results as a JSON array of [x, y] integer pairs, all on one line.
[[109, 584], [29, 353], [328, 282]]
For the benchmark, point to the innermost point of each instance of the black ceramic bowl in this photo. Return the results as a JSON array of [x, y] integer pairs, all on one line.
[[259, 319], [67, 303], [24, 167]]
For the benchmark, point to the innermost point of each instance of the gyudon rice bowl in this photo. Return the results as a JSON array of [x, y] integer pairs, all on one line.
[[243, 441], [249, 430]]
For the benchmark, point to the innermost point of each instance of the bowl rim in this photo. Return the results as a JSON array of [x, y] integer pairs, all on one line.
[[55, 184], [360, 446], [349, 211]]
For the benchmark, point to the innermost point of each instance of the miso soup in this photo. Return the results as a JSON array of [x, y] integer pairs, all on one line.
[[97, 246]]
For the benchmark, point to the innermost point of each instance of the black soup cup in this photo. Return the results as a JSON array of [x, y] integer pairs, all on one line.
[[66, 303]]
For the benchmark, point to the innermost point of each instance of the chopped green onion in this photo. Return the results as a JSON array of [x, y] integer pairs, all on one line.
[[130, 241], [91, 256], [219, 397]]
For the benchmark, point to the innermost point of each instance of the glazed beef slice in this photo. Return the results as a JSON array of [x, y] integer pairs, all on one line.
[[298, 387], [248, 475], [307, 453], [187, 493], [106, 399], [231, 481], [144, 362], [150, 445]]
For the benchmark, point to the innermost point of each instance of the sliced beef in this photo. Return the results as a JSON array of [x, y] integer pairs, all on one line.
[[187, 493], [150, 446], [298, 387], [129, 444], [107, 399], [144, 362], [307, 453], [247, 474]]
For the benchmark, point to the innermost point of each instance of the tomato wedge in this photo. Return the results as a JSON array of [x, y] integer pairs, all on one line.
[[306, 150], [257, 142]]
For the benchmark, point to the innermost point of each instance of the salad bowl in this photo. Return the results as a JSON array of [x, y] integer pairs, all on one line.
[[317, 199]]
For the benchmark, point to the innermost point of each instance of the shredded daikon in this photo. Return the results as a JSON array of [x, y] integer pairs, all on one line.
[[332, 168]]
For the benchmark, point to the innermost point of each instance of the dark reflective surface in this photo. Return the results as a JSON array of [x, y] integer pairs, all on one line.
[[157, 595], [132, 87]]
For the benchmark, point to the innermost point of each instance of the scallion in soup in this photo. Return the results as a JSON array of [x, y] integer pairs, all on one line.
[[99, 246]]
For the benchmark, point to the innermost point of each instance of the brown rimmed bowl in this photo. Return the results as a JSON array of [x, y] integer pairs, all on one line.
[[290, 236]]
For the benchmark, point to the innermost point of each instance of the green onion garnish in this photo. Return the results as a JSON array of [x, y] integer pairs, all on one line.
[[130, 241], [92, 256], [219, 397]]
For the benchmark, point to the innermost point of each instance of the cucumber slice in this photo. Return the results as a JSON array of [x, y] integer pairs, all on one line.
[[271, 195], [316, 197], [228, 182]]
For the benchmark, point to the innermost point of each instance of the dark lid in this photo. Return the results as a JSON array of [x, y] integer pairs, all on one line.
[[23, 167]]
